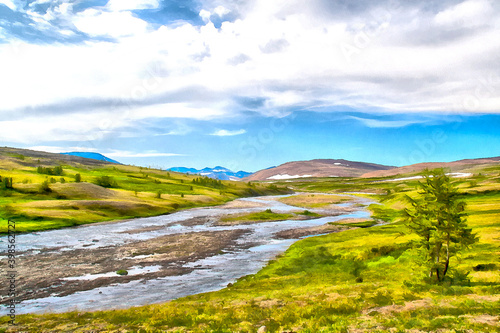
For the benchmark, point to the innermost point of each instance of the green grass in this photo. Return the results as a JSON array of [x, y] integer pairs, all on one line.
[[365, 224], [128, 192], [266, 215], [361, 280]]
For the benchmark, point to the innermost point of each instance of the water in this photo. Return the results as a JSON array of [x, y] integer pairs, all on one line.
[[208, 274]]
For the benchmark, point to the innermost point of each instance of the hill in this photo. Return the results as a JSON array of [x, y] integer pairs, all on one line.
[[317, 168], [17, 157], [94, 156], [468, 165], [41, 190], [216, 173]]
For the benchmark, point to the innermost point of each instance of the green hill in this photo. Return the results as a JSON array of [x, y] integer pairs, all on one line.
[[105, 192]]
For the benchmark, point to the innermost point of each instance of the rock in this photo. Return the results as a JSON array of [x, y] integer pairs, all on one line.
[[262, 329]]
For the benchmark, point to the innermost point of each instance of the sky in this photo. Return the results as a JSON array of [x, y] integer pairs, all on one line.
[[252, 84]]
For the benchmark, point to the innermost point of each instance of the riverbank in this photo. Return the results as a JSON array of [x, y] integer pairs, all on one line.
[[362, 280], [62, 268]]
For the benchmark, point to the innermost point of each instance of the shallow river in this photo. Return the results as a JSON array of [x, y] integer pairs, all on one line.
[[208, 274]]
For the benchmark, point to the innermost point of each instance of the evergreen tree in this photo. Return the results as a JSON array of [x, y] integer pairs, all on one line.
[[438, 217]]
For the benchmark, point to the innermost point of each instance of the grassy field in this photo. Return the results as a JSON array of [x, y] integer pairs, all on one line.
[[362, 280], [266, 216], [314, 200], [105, 192]]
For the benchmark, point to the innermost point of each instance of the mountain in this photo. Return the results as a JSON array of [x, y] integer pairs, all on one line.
[[217, 173], [317, 168], [94, 156], [456, 166]]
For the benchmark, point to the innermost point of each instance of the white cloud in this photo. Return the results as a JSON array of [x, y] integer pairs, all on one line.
[[114, 24], [282, 52], [228, 133], [57, 150], [470, 12], [128, 154], [221, 11], [374, 123], [9, 3], [117, 5]]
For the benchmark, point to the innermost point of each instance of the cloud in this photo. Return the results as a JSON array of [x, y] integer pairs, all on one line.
[[375, 123], [117, 5], [106, 152], [228, 133], [8, 3], [128, 154], [470, 12], [113, 24], [120, 64], [57, 150]]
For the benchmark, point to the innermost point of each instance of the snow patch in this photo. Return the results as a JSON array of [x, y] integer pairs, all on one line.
[[287, 176], [451, 174]]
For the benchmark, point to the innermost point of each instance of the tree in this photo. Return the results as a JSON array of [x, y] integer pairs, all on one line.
[[438, 217], [78, 178]]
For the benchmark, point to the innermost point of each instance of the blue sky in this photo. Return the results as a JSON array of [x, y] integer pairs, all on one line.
[[252, 84]]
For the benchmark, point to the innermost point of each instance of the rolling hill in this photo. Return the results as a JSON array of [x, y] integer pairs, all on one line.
[[317, 168], [456, 166]]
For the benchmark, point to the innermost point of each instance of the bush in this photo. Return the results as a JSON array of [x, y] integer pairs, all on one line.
[[106, 181], [78, 178], [122, 272], [44, 187]]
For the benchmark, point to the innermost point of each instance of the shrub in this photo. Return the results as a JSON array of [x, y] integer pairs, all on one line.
[[44, 187], [106, 181]]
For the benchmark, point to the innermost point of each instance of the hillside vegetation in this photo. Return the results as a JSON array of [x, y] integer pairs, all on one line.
[[361, 280], [51, 191]]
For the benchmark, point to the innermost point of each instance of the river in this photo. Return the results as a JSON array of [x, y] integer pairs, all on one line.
[[75, 284]]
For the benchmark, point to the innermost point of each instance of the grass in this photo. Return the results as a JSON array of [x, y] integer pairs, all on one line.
[[365, 224], [264, 216], [106, 193], [362, 280], [314, 200]]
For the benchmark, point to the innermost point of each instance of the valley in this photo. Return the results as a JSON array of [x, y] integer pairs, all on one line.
[[244, 264]]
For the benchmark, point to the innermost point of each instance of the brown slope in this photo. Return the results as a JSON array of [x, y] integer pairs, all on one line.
[[462, 165], [319, 168]]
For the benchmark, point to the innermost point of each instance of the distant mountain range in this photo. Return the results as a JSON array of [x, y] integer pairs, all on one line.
[[94, 156], [216, 173], [317, 168]]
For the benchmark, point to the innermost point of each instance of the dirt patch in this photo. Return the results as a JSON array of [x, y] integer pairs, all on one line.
[[44, 274], [407, 307], [302, 232]]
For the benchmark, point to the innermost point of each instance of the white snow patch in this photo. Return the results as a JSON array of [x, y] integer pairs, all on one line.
[[287, 176], [452, 174]]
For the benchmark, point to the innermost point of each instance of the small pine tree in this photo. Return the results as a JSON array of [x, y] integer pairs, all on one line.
[[438, 217]]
